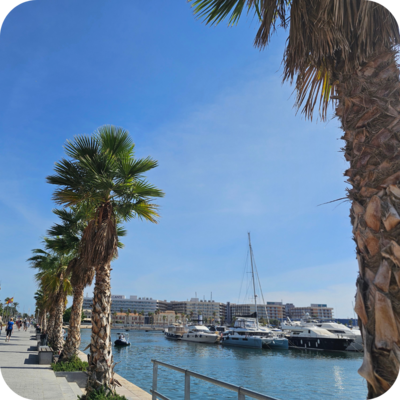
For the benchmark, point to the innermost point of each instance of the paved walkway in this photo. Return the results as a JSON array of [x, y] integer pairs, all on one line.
[[22, 373], [20, 369]]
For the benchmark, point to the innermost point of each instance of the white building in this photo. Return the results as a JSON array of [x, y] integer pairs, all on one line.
[[120, 302]]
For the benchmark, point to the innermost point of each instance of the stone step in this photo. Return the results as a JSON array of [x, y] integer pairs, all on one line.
[[76, 389], [66, 389]]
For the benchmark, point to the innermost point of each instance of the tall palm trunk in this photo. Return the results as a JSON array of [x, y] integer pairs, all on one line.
[[369, 109], [101, 360], [44, 323], [73, 341], [50, 324], [57, 336]]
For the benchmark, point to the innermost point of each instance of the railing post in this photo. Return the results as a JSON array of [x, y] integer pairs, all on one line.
[[241, 396], [187, 385], [155, 371]]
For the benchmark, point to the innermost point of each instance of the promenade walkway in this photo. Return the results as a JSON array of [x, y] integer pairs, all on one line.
[[24, 376], [22, 373]]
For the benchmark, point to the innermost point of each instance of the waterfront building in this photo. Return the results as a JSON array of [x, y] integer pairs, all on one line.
[[272, 310], [209, 309], [123, 318], [162, 318], [120, 302], [314, 310]]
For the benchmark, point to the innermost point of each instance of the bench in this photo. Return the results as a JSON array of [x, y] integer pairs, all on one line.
[[45, 355]]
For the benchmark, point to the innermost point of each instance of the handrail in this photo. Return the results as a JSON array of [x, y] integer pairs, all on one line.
[[241, 391]]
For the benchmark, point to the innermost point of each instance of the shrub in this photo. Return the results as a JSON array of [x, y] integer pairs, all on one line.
[[74, 364]]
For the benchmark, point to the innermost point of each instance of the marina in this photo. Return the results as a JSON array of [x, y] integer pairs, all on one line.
[[276, 373]]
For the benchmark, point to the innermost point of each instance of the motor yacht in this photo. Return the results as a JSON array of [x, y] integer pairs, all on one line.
[[200, 334], [315, 338], [247, 333], [332, 327], [175, 331]]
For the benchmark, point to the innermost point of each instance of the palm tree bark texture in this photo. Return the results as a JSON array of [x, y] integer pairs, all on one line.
[[56, 339], [101, 361], [369, 110], [74, 335]]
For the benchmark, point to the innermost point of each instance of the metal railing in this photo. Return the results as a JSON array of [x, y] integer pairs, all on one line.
[[241, 391]]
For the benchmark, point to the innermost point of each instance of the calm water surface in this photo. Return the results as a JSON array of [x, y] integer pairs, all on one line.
[[284, 374]]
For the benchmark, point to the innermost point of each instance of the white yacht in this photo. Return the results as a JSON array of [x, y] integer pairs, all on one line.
[[247, 333], [315, 338], [332, 327], [200, 334], [175, 331]]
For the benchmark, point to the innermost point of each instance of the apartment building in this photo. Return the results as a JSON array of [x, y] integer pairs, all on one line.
[[195, 307], [272, 310], [120, 302], [314, 310]]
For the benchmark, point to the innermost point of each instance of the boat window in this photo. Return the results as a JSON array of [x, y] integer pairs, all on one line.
[[309, 331], [195, 335], [200, 336], [188, 336]]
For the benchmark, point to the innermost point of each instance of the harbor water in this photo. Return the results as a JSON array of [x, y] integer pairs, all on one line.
[[283, 374]]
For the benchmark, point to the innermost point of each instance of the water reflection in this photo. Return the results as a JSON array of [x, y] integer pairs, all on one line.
[[284, 374]]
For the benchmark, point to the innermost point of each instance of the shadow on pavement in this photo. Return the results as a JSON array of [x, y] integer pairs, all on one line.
[[32, 359]]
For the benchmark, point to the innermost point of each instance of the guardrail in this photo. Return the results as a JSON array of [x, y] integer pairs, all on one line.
[[240, 390]]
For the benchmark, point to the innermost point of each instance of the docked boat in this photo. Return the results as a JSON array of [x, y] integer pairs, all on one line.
[[122, 341], [315, 338], [247, 333], [200, 334], [175, 331], [332, 327]]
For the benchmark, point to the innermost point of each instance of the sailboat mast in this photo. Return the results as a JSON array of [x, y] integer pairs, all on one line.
[[252, 275]]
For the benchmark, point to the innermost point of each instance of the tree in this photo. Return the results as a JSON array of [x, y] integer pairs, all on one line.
[[345, 53], [65, 238], [53, 279], [103, 173], [67, 315], [164, 317]]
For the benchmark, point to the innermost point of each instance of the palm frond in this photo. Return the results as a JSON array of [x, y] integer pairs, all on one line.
[[214, 11]]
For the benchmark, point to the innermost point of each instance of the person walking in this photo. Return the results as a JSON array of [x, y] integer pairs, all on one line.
[[9, 329], [1, 325]]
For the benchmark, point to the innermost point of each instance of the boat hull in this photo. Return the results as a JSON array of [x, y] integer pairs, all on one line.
[[119, 343], [275, 343], [310, 343], [173, 336], [237, 341], [200, 338]]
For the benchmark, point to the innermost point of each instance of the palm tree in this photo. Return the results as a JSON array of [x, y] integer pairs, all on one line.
[[65, 238], [103, 173], [346, 52], [164, 317], [54, 280]]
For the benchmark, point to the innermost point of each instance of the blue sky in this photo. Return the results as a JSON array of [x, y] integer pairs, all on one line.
[[233, 155]]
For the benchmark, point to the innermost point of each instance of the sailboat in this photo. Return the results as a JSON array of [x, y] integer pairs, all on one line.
[[247, 332]]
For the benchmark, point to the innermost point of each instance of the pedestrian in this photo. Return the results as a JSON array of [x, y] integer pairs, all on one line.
[[18, 324], [1, 326], [25, 325], [9, 329]]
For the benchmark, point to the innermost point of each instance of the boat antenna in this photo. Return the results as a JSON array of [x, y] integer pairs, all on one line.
[[252, 275]]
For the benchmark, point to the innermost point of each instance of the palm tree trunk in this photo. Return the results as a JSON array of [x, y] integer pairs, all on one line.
[[50, 326], [44, 324], [101, 360], [57, 336], [73, 341], [369, 110]]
